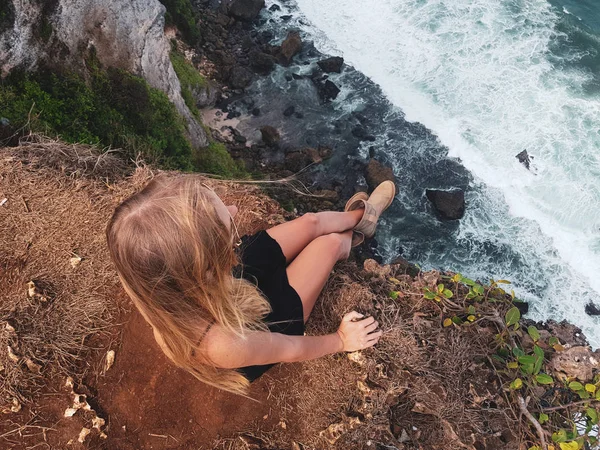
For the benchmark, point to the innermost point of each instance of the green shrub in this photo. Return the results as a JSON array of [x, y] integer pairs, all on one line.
[[217, 160], [190, 80], [114, 109], [181, 14]]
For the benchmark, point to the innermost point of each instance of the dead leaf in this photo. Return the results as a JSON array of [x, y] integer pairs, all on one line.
[[35, 368], [110, 360], [11, 355]]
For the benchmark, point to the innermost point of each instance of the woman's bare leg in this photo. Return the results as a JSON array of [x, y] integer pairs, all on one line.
[[295, 235], [309, 271]]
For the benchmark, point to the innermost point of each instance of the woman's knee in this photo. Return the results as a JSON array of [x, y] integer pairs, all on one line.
[[339, 244], [311, 222]]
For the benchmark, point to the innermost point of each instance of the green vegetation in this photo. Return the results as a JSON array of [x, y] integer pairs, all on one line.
[[45, 29], [181, 14], [563, 412], [190, 80], [114, 109], [216, 159]]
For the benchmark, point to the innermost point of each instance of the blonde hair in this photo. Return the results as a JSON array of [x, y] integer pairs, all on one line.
[[174, 256]]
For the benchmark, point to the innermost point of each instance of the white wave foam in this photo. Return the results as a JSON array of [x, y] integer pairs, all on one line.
[[477, 74]]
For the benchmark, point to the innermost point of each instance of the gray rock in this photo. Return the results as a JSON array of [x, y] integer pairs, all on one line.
[[450, 205], [524, 159], [240, 77], [246, 10], [207, 95]]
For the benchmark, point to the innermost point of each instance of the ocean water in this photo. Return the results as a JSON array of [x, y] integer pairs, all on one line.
[[453, 90]]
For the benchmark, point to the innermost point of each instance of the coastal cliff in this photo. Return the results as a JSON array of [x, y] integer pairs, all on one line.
[[458, 367]]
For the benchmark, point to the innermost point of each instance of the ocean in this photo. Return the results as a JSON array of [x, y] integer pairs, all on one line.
[[453, 90]]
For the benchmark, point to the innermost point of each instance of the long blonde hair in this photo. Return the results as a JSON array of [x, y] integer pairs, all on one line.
[[174, 256]]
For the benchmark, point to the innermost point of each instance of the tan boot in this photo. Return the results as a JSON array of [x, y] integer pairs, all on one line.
[[381, 198], [357, 237]]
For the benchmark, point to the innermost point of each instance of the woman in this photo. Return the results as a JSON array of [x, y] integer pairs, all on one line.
[[173, 245]]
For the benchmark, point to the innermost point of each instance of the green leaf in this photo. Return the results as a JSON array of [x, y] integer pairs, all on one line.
[[468, 281], [478, 289], [542, 378], [598, 395], [440, 288], [516, 384], [590, 388], [503, 282], [534, 333], [457, 320], [527, 369], [526, 359], [447, 322], [471, 318], [569, 445], [535, 447], [538, 351], [553, 341], [513, 365], [575, 386], [448, 293], [456, 278], [471, 309], [512, 316], [429, 295], [592, 414], [560, 435], [538, 365], [543, 418], [518, 352], [394, 295], [583, 394]]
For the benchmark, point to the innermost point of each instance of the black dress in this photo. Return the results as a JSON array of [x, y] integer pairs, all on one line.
[[264, 264]]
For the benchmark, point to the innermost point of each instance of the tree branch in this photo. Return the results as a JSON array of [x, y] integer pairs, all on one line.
[[533, 420]]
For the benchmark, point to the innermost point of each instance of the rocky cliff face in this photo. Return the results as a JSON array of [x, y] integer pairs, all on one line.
[[128, 34]]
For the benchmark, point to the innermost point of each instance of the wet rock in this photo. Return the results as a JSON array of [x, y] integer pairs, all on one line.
[[333, 64], [591, 309], [296, 76], [275, 7], [524, 159], [286, 18], [376, 173], [270, 135], [299, 115], [289, 47], [240, 77], [256, 112], [401, 265], [362, 134], [300, 159], [289, 111], [327, 89], [450, 205], [246, 10], [262, 63]]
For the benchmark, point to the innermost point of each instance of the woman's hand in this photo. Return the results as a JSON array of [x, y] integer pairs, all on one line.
[[358, 334]]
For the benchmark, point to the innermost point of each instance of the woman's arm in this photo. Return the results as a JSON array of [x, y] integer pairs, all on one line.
[[257, 348]]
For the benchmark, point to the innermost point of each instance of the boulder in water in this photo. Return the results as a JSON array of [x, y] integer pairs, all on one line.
[[376, 173], [591, 309], [289, 111], [289, 47], [524, 159], [333, 64], [450, 205], [270, 135], [245, 10], [327, 90]]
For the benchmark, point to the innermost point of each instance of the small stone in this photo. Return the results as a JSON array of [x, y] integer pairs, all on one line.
[[270, 135], [591, 309], [333, 64]]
